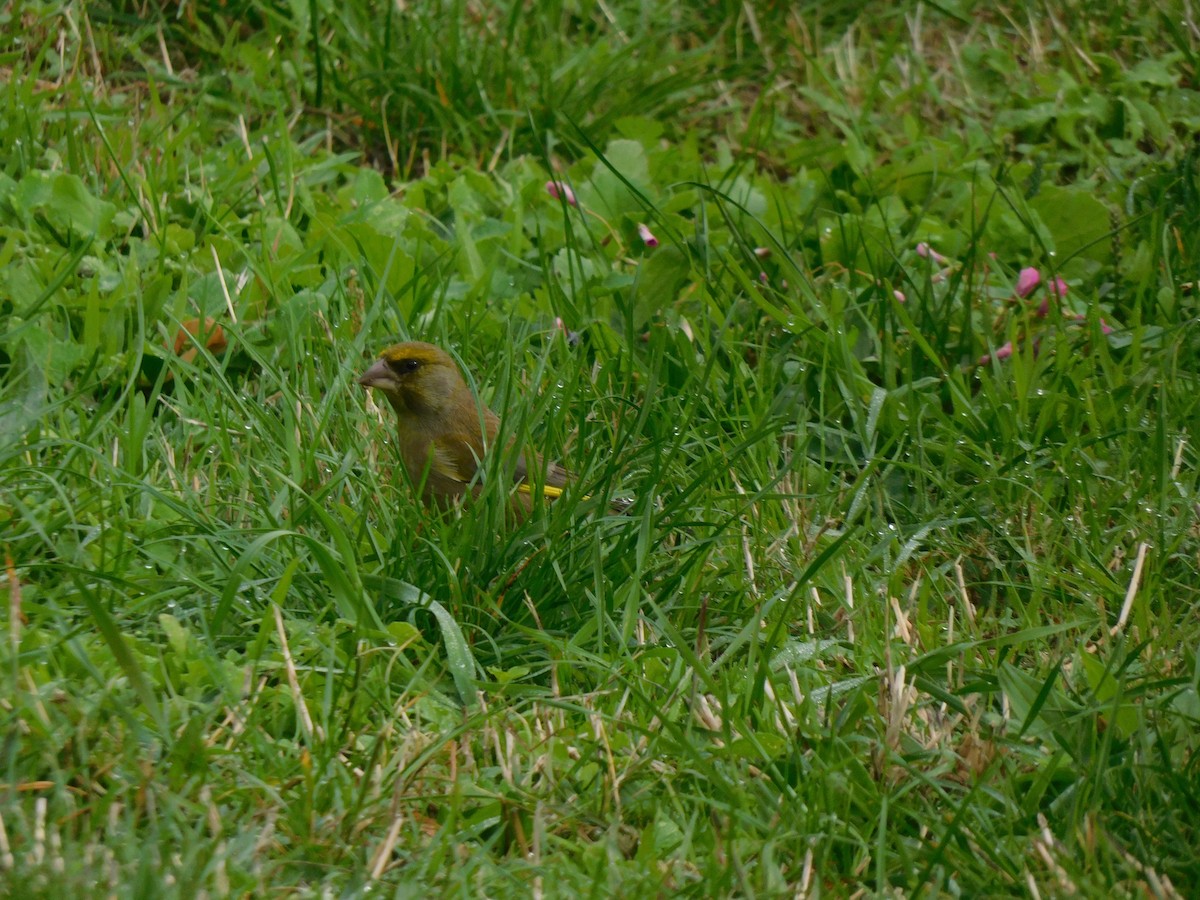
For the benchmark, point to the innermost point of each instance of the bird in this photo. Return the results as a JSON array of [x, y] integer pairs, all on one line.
[[443, 433]]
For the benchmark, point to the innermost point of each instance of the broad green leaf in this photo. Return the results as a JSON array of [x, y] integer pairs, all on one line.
[[1077, 220]]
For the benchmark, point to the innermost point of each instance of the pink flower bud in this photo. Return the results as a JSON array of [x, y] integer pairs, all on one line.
[[1027, 281], [927, 252], [762, 252], [571, 336], [899, 295], [1001, 353], [1058, 287], [647, 236], [561, 191], [1105, 328]]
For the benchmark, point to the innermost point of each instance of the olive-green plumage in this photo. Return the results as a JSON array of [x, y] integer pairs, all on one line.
[[443, 433]]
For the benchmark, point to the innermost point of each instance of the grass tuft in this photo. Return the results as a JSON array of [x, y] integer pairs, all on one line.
[[903, 600]]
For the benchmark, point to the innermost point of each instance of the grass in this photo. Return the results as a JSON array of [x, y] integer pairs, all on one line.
[[905, 599]]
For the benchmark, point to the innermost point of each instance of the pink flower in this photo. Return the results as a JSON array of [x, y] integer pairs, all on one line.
[[561, 191], [927, 252], [1027, 281], [1002, 353], [899, 295], [571, 336], [762, 277], [647, 236], [1105, 328]]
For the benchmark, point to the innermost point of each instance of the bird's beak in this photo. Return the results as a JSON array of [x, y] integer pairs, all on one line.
[[378, 376]]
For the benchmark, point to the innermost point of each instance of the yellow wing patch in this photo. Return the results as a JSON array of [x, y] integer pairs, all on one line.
[[547, 490]]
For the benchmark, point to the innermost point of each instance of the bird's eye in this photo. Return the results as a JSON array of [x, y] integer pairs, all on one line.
[[405, 366]]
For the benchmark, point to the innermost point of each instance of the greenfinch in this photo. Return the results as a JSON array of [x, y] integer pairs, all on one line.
[[443, 434]]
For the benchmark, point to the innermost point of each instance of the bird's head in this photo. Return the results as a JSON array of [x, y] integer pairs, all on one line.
[[417, 378]]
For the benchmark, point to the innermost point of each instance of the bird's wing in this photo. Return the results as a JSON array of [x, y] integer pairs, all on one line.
[[458, 457], [455, 459], [555, 480]]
